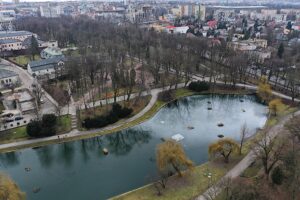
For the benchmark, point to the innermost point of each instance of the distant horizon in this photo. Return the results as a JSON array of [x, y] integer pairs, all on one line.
[[223, 1]]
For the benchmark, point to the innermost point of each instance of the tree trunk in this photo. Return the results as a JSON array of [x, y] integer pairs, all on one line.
[[177, 169]]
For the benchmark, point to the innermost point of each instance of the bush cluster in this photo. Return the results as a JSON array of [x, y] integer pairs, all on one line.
[[199, 86], [42, 128], [277, 175], [113, 116], [166, 96]]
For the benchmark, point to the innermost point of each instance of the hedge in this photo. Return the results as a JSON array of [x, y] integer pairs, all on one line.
[[199, 86], [113, 116]]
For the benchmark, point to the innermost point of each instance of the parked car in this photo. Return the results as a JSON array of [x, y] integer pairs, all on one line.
[[7, 115], [18, 118], [9, 120]]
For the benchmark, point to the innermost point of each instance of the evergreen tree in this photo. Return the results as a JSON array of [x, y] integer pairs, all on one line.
[[289, 25], [34, 47], [280, 51]]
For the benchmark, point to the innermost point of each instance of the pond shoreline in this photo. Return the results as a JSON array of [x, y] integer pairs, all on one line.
[[138, 144], [122, 124]]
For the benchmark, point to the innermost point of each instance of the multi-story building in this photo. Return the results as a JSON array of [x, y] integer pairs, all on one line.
[[6, 19], [49, 68], [50, 11], [18, 40], [8, 78]]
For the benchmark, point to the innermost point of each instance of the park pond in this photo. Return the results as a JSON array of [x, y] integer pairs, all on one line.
[[79, 170]]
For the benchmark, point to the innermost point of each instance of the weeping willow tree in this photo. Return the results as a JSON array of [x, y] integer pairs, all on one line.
[[276, 106], [171, 154], [224, 148], [264, 90], [9, 189]]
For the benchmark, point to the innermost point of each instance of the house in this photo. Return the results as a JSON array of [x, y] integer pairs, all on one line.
[[49, 68], [10, 45], [18, 40], [8, 78], [51, 52]]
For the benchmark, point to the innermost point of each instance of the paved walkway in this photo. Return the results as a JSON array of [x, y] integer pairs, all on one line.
[[74, 133], [237, 170], [154, 94]]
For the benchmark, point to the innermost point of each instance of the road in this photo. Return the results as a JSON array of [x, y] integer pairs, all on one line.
[[154, 95], [74, 133], [27, 80]]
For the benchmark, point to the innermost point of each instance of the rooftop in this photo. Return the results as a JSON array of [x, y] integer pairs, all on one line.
[[53, 51], [4, 34], [8, 41], [6, 73], [45, 63]]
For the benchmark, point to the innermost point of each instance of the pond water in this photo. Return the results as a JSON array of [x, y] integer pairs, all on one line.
[[79, 170]]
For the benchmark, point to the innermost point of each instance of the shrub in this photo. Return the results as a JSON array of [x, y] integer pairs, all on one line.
[[34, 128], [166, 96], [114, 115], [199, 86], [277, 175], [119, 111], [49, 120], [43, 128]]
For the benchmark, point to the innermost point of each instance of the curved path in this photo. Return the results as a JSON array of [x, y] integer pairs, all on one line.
[[75, 133]]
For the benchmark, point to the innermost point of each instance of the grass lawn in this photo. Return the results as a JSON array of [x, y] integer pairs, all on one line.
[[185, 188], [97, 111], [64, 124], [72, 53], [13, 135], [252, 170], [18, 134], [23, 60], [182, 92], [110, 94], [1, 107]]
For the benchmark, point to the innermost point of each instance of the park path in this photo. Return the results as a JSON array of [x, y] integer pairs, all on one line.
[[238, 169], [75, 133], [154, 95]]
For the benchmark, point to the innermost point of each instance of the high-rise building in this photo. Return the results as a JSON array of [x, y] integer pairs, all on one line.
[[16, 1], [202, 12]]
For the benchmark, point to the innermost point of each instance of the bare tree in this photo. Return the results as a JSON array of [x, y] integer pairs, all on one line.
[[243, 136], [268, 151]]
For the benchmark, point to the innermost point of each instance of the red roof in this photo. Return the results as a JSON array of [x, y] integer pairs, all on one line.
[[170, 27], [212, 23]]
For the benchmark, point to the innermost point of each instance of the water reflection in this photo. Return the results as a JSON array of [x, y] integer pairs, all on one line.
[[45, 156], [122, 142], [9, 159], [79, 170], [66, 153]]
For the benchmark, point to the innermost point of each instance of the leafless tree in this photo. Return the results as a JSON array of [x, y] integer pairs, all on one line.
[[268, 151], [243, 137]]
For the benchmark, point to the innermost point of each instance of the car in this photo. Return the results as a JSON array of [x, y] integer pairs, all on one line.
[[7, 115], [9, 120], [18, 118]]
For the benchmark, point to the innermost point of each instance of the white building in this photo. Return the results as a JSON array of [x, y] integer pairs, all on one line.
[[51, 52], [51, 11], [181, 30], [8, 78], [6, 19], [18, 40], [46, 68]]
